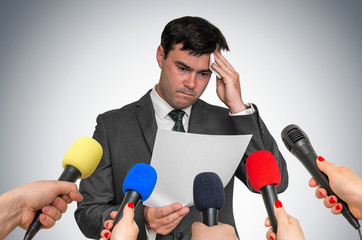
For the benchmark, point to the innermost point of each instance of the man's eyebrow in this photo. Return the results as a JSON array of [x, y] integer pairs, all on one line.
[[190, 68], [184, 65]]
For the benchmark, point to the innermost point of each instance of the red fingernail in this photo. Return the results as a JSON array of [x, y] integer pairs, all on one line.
[[278, 204], [130, 205], [106, 235], [107, 224], [338, 207], [321, 159], [332, 200], [320, 194], [271, 238]]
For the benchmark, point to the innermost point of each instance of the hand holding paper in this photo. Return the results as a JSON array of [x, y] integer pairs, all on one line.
[[179, 157]]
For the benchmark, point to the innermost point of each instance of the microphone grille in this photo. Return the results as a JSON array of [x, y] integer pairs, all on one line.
[[84, 154], [262, 169], [208, 191], [291, 135], [295, 135], [141, 178]]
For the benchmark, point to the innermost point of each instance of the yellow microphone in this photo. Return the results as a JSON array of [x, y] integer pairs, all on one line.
[[79, 161]]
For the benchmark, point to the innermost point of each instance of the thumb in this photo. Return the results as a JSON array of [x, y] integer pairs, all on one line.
[[280, 213], [128, 212], [324, 165]]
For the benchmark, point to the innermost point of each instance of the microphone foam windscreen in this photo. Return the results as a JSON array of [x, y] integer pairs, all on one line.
[[142, 179], [84, 154], [208, 191], [262, 170]]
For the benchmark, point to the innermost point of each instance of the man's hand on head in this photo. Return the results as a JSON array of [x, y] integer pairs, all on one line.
[[228, 86]]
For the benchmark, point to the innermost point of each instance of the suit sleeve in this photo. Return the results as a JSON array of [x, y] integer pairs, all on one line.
[[97, 191], [261, 140]]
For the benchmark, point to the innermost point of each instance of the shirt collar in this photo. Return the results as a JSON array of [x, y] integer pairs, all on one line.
[[162, 108]]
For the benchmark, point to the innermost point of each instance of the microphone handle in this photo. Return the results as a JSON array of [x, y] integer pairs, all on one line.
[[307, 157], [270, 196], [130, 196], [70, 174], [210, 216]]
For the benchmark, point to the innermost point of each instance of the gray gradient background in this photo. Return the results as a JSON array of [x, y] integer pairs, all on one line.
[[64, 62]]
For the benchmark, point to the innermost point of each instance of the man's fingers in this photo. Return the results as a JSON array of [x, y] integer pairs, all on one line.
[[167, 223], [60, 204], [46, 221], [222, 62], [167, 228], [68, 188], [52, 212], [167, 210]]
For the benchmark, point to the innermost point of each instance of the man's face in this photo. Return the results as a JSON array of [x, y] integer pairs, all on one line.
[[184, 77]]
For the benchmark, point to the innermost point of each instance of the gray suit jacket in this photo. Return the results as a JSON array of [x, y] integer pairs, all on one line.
[[127, 136]]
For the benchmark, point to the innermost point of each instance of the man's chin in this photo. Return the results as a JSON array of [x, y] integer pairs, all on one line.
[[183, 105]]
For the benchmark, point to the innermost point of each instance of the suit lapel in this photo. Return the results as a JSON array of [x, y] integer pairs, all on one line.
[[198, 117], [146, 119]]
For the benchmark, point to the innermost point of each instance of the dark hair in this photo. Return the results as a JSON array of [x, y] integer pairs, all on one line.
[[197, 35]]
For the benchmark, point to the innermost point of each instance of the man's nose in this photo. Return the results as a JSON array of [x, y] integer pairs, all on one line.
[[190, 82]]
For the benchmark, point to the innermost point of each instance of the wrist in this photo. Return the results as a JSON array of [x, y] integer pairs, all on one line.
[[236, 108], [10, 212], [357, 195]]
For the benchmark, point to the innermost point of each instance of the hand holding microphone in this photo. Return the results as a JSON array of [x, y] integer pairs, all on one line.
[[19, 206], [137, 187], [125, 229], [288, 226], [79, 161], [345, 183], [297, 142], [264, 175]]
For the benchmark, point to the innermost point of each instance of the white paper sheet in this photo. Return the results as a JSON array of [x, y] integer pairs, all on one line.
[[179, 157]]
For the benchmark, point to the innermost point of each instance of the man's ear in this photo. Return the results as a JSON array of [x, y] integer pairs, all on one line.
[[160, 56]]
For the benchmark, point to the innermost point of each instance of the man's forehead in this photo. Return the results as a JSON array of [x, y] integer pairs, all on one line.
[[178, 47]]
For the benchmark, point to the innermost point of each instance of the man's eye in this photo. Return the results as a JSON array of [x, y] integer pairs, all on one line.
[[182, 69], [204, 74]]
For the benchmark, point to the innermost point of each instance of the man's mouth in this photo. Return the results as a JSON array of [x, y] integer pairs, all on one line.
[[190, 94]]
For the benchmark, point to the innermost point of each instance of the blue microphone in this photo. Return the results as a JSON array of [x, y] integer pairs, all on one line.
[[209, 196], [137, 186]]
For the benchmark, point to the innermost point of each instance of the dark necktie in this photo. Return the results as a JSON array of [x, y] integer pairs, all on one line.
[[177, 115]]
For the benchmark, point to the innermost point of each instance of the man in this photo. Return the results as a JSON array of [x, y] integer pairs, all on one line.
[[19, 206], [127, 135]]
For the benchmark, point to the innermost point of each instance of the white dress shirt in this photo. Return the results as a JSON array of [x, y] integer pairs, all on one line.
[[164, 121]]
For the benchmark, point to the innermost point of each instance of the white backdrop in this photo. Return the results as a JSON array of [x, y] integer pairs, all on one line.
[[64, 62]]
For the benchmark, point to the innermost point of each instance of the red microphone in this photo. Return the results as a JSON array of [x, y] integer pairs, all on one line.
[[264, 175]]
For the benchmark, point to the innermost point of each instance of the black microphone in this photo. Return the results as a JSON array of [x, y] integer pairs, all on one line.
[[137, 187], [297, 142], [264, 175], [209, 196]]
